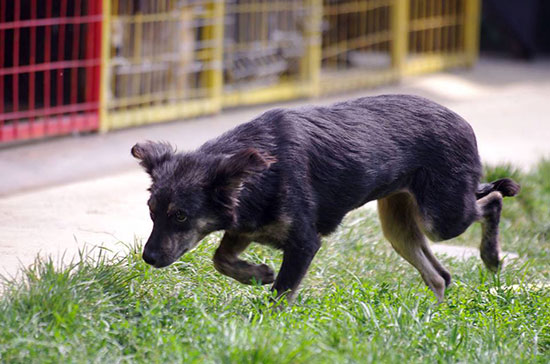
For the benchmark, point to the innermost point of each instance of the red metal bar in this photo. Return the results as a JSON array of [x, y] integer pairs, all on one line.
[[90, 29], [47, 57], [89, 50], [48, 126], [60, 53], [63, 109], [32, 59], [50, 66], [70, 111], [97, 54], [15, 79], [74, 55], [2, 47], [50, 21]]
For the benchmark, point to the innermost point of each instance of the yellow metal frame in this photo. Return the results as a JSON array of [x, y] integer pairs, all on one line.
[[311, 64], [399, 22], [279, 92], [404, 61], [472, 19], [115, 114], [447, 40], [366, 28], [305, 84], [427, 53]]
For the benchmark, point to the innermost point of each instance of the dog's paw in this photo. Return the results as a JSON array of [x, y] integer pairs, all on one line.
[[264, 274], [491, 259]]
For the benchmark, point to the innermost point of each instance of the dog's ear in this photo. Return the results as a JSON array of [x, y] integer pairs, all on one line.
[[151, 154], [233, 169], [230, 172]]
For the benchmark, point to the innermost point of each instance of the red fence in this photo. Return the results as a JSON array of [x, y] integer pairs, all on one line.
[[49, 67]]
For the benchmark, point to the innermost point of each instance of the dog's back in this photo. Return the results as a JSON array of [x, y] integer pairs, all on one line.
[[339, 157]]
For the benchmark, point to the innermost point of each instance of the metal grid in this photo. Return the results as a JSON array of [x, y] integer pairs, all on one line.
[[162, 60], [49, 67], [267, 50], [357, 44], [370, 42], [436, 26], [169, 59], [439, 33]]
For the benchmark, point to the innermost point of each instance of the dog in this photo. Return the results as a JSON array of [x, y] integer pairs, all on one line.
[[288, 177]]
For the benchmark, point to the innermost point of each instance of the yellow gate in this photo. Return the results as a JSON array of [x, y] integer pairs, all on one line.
[[358, 36], [441, 34], [161, 60], [371, 42], [171, 59], [269, 50]]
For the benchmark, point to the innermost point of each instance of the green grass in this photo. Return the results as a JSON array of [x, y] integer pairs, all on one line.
[[359, 303]]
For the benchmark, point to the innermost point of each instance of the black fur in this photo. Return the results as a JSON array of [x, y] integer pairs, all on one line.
[[306, 168], [505, 186]]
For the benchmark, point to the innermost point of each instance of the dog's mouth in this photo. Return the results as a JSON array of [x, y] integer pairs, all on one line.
[[160, 258], [162, 263]]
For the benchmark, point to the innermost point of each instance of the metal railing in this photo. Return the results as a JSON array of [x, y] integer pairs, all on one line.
[[161, 60], [441, 34], [267, 50], [371, 42], [49, 67], [359, 38], [171, 59]]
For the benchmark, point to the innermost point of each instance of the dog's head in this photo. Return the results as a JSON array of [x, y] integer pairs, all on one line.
[[192, 195]]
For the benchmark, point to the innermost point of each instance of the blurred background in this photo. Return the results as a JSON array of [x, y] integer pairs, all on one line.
[[86, 65], [81, 81]]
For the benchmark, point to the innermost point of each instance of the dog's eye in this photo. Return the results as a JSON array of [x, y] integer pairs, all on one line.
[[180, 216]]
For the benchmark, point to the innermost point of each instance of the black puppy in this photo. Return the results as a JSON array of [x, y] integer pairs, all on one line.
[[289, 176]]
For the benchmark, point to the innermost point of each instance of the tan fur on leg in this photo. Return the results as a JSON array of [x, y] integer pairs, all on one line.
[[398, 215], [226, 261]]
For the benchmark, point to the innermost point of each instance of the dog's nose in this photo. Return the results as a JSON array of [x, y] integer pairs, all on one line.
[[150, 258]]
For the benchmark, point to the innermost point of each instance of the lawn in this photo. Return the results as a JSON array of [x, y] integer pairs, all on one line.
[[359, 303]]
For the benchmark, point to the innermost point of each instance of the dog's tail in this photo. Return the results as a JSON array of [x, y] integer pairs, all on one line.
[[506, 186]]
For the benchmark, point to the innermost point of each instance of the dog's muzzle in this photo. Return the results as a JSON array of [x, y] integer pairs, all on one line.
[[158, 260]]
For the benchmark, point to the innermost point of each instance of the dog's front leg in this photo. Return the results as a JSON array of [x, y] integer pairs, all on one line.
[[226, 261], [297, 256]]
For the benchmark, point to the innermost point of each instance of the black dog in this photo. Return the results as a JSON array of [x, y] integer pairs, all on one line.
[[289, 176]]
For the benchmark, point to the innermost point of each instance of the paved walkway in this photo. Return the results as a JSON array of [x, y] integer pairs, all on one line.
[[56, 196]]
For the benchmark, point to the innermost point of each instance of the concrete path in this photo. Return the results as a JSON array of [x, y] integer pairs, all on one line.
[[61, 220], [59, 195]]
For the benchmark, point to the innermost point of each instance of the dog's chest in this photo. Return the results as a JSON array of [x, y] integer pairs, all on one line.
[[274, 234]]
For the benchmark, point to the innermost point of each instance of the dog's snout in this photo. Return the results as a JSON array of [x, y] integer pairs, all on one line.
[[150, 257]]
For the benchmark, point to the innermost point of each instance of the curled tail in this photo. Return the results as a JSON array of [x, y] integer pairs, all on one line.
[[506, 186]]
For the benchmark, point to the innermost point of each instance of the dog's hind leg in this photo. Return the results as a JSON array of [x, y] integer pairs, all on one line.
[[399, 218], [443, 272], [490, 207], [226, 261]]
